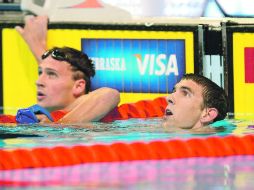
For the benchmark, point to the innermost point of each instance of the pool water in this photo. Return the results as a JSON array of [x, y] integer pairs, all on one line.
[[230, 172], [122, 130]]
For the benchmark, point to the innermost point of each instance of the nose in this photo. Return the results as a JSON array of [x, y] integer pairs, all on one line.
[[170, 98], [170, 102], [40, 81]]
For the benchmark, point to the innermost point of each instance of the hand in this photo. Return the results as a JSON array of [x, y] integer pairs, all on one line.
[[43, 118], [34, 33]]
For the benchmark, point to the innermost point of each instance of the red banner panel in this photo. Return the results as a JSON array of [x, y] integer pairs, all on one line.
[[249, 64]]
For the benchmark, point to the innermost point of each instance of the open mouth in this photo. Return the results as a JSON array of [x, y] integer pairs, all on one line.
[[40, 95], [168, 112]]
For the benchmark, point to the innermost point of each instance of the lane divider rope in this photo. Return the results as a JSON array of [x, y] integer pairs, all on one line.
[[120, 151]]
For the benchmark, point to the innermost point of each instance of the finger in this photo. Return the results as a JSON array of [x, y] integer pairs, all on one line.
[[28, 18], [43, 19], [42, 118], [19, 29]]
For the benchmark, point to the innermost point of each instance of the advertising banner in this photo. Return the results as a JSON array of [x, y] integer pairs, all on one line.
[[140, 64], [136, 65], [243, 70]]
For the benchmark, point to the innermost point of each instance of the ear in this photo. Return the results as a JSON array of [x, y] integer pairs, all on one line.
[[79, 87], [209, 115]]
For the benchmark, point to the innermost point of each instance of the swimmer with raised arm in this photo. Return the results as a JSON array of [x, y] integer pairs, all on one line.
[[65, 78]]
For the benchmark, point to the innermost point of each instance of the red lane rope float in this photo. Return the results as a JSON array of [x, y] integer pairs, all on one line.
[[155, 150], [140, 109]]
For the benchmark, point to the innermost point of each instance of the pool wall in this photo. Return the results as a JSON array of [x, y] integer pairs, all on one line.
[[141, 61]]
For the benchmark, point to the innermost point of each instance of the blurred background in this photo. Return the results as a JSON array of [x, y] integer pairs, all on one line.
[[9, 9], [214, 38]]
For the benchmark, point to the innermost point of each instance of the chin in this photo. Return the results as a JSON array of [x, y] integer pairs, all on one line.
[[186, 127], [204, 130], [167, 123], [40, 104], [45, 106]]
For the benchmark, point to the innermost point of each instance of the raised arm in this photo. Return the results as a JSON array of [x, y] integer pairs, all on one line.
[[34, 33], [92, 106]]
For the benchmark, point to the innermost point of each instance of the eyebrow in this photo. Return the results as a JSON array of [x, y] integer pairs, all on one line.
[[47, 69], [184, 88]]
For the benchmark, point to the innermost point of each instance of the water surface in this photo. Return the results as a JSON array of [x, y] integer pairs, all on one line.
[[122, 130]]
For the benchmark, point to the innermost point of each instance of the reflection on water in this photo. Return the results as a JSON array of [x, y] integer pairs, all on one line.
[[234, 172], [122, 130]]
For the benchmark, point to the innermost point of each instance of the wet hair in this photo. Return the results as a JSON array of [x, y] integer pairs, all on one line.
[[82, 65], [213, 95]]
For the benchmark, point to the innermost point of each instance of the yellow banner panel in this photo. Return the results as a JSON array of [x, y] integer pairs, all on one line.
[[20, 67], [243, 61], [19, 73]]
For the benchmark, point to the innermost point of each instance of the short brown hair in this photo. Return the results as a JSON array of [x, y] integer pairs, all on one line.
[[79, 61], [213, 95]]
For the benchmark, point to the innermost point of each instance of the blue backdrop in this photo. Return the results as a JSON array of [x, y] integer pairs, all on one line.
[[136, 65]]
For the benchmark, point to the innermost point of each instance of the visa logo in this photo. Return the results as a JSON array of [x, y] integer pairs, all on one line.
[[157, 64]]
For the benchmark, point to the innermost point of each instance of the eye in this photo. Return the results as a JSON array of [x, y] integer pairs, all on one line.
[[51, 74], [40, 72], [185, 92], [169, 101]]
